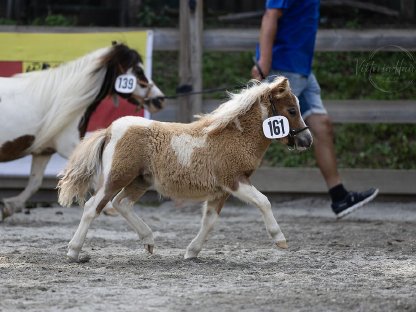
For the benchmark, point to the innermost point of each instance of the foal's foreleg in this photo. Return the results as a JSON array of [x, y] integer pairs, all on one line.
[[248, 193], [17, 203], [91, 211], [210, 215], [124, 203]]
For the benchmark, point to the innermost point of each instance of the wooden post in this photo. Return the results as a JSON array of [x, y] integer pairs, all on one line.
[[190, 57]]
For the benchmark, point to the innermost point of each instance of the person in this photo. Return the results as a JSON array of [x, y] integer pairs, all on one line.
[[286, 47]]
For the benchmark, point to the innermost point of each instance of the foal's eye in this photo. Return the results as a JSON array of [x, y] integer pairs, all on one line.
[[292, 111]]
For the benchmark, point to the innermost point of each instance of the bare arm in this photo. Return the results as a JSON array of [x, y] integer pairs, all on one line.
[[268, 32]]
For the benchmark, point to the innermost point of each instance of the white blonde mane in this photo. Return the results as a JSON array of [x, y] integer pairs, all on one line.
[[64, 92], [238, 104]]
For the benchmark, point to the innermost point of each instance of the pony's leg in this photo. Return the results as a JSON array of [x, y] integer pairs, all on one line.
[[248, 193], [124, 203], [211, 210], [108, 210], [91, 211], [11, 204]]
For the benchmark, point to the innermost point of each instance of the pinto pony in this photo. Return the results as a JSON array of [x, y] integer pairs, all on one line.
[[48, 111], [206, 160]]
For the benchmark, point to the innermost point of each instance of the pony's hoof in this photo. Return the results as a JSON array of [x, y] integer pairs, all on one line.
[[282, 244], [83, 259], [190, 254], [72, 255], [69, 259], [149, 248], [5, 213]]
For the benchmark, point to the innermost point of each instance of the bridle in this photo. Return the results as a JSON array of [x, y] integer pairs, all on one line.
[[140, 101], [292, 132]]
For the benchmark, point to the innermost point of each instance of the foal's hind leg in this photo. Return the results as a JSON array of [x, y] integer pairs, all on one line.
[[248, 193], [92, 209], [124, 203], [210, 214]]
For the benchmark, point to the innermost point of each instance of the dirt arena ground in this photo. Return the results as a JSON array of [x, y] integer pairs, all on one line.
[[366, 262]]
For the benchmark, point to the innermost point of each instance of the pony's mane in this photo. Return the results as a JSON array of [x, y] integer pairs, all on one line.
[[238, 104], [66, 91]]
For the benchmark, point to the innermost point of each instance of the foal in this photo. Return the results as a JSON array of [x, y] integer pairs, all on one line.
[[206, 160]]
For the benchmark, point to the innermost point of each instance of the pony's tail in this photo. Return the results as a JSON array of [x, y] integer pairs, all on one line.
[[82, 168]]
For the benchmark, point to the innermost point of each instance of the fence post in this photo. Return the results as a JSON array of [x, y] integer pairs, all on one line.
[[190, 57]]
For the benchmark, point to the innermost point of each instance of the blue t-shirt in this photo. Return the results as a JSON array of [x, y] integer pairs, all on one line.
[[294, 44]]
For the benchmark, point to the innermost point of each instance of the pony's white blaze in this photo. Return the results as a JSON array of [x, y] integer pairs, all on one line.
[[184, 145], [149, 91]]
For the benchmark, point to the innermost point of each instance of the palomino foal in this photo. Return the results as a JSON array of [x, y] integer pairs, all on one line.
[[206, 160]]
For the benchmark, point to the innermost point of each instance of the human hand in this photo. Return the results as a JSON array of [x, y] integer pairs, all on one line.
[[255, 74], [258, 71]]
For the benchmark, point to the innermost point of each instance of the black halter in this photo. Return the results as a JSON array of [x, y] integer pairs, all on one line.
[[292, 132]]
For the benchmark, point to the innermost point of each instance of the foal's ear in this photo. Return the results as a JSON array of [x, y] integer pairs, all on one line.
[[279, 87]]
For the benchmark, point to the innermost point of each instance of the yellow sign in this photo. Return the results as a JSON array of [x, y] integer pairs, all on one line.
[[62, 47]]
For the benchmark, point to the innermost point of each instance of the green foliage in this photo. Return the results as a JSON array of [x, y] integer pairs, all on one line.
[[165, 71], [225, 70], [6, 21], [358, 146], [346, 75], [152, 14], [54, 20]]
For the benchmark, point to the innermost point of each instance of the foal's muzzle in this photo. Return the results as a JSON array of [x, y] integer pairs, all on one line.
[[300, 139]]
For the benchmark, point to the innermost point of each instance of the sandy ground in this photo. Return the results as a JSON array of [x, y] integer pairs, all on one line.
[[366, 262]]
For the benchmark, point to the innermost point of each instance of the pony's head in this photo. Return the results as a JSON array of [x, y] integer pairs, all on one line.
[[121, 60], [281, 101]]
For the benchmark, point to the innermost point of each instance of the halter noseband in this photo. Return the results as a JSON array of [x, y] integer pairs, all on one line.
[[138, 100], [292, 132]]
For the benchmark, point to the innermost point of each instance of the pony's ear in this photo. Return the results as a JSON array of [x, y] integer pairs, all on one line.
[[279, 87]]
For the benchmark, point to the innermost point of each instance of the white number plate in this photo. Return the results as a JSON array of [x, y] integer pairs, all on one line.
[[125, 83], [276, 127]]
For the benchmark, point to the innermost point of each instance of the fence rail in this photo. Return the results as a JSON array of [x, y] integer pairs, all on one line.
[[267, 180], [327, 40], [341, 111], [167, 39]]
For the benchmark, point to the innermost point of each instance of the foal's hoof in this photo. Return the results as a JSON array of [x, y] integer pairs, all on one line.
[[148, 248], [82, 259], [282, 244]]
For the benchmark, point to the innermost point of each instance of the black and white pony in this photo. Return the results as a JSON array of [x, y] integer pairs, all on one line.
[[48, 111]]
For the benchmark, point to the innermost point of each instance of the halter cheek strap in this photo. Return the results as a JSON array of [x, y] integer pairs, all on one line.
[[293, 132]]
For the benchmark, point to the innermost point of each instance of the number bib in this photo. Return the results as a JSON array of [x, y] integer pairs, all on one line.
[[276, 127], [125, 83]]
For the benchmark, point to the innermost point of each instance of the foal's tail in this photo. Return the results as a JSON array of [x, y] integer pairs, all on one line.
[[82, 168]]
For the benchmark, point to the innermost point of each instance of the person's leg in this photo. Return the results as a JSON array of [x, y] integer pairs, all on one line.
[[309, 94], [323, 144], [316, 117]]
